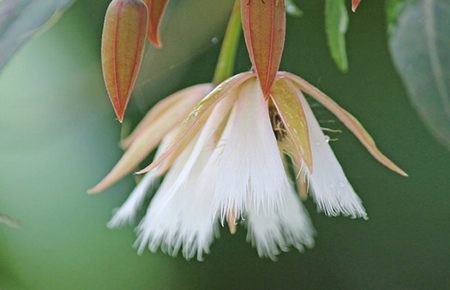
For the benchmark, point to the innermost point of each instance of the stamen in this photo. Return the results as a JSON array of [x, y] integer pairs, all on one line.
[[232, 221]]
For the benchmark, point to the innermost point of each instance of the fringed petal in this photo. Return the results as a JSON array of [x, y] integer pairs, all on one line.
[[248, 166], [179, 217], [127, 212], [275, 232], [332, 191]]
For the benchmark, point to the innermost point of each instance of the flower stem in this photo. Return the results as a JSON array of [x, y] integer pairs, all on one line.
[[225, 64]]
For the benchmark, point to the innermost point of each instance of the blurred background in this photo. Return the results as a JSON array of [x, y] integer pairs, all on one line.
[[59, 137]]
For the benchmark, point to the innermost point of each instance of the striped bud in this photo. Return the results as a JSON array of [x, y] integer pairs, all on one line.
[[156, 10], [264, 24], [123, 39]]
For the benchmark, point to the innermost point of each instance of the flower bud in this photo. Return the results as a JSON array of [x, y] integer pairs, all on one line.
[[264, 24], [156, 10], [123, 39]]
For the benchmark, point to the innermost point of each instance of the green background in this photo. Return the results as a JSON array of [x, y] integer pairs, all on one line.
[[59, 137]]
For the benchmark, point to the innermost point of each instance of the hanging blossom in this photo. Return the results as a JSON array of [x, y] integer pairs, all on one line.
[[237, 155], [228, 162]]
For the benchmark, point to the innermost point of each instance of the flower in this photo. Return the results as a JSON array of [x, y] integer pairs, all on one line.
[[229, 161]]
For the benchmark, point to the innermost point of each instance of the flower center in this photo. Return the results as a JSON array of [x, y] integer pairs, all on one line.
[[277, 124]]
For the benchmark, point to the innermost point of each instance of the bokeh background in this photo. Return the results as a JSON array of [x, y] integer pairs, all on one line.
[[59, 137]]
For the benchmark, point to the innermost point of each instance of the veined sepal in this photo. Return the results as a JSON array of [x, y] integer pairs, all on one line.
[[346, 118], [264, 25], [123, 42], [160, 120], [196, 119], [185, 98], [293, 127]]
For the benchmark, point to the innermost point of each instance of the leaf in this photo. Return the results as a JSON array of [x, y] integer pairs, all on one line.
[[336, 25], [420, 47], [123, 40], [393, 10], [264, 25], [21, 19], [156, 10], [292, 9]]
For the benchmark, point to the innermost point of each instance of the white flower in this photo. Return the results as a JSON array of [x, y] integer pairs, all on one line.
[[230, 161]]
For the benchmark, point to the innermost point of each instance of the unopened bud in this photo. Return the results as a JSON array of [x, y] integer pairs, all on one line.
[[156, 10], [264, 24], [123, 40]]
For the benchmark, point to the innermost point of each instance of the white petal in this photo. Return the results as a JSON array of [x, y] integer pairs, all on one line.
[[249, 169], [218, 114], [181, 219], [127, 212], [332, 191], [273, 232]]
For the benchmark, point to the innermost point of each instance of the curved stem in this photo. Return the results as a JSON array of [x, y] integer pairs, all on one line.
[[225, 64]]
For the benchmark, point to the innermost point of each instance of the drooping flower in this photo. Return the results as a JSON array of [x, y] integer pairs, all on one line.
[[229, 162]]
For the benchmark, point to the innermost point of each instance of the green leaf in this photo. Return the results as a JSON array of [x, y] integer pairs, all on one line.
[[393, 10], [420, 47], [292, 9], [21, 19], [336, 24]]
